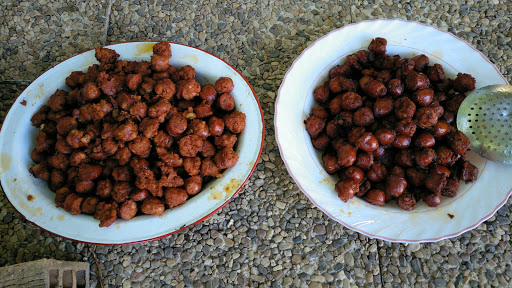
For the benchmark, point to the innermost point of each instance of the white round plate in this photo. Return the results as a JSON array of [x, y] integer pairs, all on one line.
[[17, 141], [474, 203]]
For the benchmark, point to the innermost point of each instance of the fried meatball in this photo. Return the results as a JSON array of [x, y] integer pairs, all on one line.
[[73, 203], [339, 70], [203, 110], [139, 195], [208, 94], [314, 125], [367, 142], [153, 206], [175, 196], [420, 62], [395, 87], [209, 168], [89, 172], [383, 106], [404, 108], [321, 142], [89, 205], [395, 185], [363, 116], [346, 189], [451, 188], [187, 72], [406, 201], [331, 164], [415, 177], [423, 97], [192, 165], [190, 145], [215, 126], [128, 209], [188, 89], [193, 185], [149, 127], [441, 129], [469, 172], [432, 200], [208, 150], [122, 173], [321, 94], [435, 182], [159, 63], [224, 85], [176, 125], [90, 91], [105, 55], [364, 160], [126, 132], [165, 89], [436, 73], [375, 197], [235, 122], [140, 146], [375, 89], [377, 172], [355, 173], [378, 45], [351, 101], [401, 141], [162, 139], [425, 140], [162, 48], [425, 157], [347, 155], [225, 158], [426, 117], [340, 84], [459, 142], [320, 112], [106, 213], [415, 81], [225, 102], [464, 83], [133, 81], [385, 136], [226, 140], [121, 191]]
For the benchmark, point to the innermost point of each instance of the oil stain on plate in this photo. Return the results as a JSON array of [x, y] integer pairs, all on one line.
[[5, 162], [190, 59], [143, 48], [226, 192]]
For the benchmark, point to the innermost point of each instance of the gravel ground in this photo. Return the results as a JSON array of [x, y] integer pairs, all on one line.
[[270, 234]]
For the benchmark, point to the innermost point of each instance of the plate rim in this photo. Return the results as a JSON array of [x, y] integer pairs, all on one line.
[[397, 240], [256, 161]]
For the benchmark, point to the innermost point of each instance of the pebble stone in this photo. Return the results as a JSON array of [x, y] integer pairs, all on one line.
[[35, 35], [270, 233]]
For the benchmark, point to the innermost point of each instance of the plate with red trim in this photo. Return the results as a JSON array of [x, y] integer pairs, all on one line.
[[474, 203], [33, 199]]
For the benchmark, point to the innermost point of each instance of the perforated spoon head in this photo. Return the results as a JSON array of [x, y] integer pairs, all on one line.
[[485, 117]]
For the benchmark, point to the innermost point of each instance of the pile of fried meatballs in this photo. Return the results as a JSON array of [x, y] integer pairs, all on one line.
[[386, 126], [133, 137]]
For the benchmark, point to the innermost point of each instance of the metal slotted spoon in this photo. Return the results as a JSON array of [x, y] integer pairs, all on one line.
[[485, 117]]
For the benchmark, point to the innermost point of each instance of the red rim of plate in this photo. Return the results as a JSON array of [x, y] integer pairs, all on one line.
[[186, 226], [325, 210]]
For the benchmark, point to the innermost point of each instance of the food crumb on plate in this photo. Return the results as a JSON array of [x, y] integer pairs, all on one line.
[[451, 216], [24, 102], [30, 197]]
